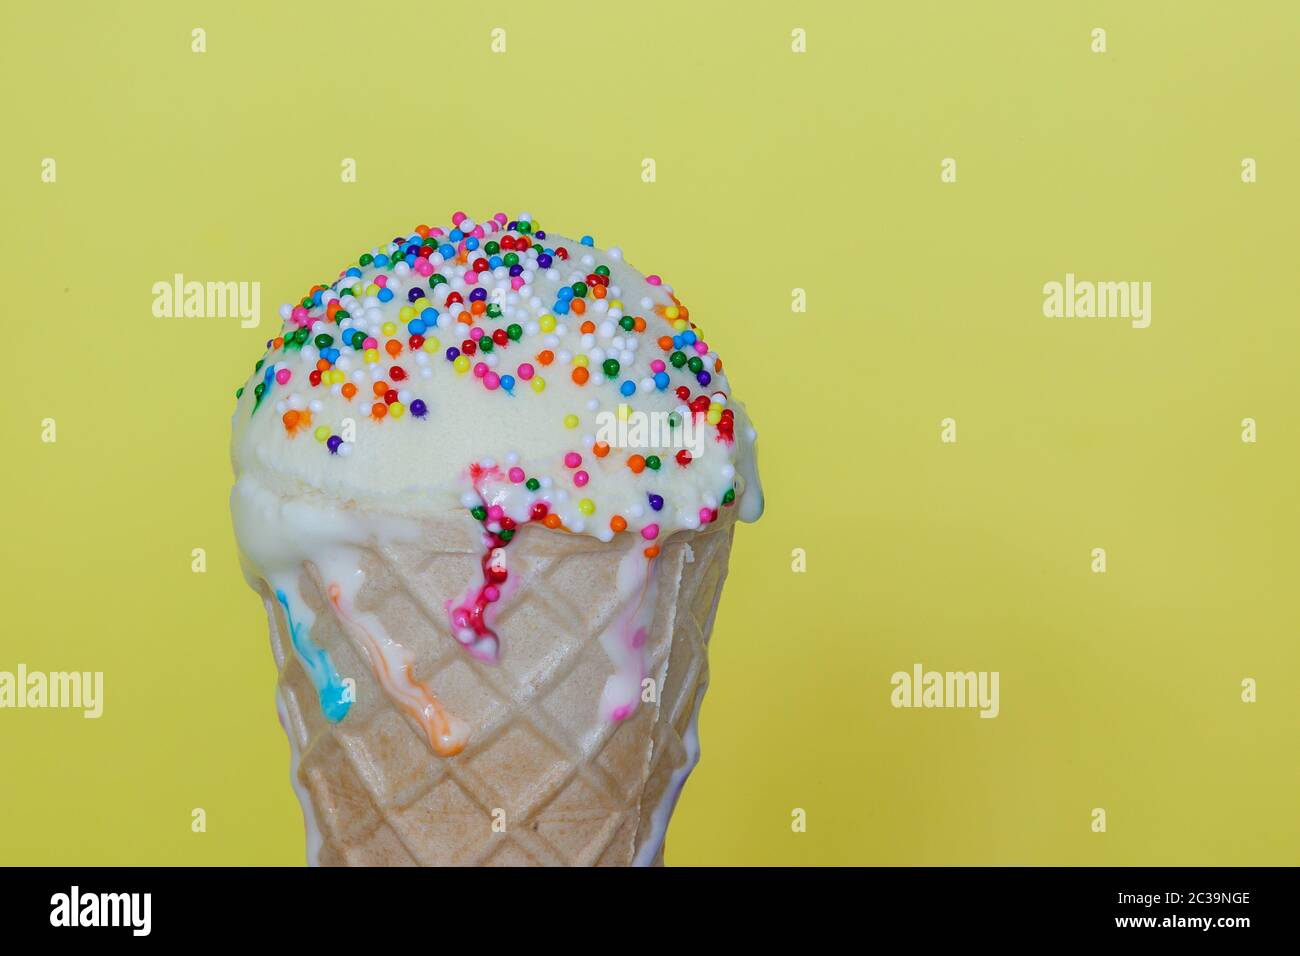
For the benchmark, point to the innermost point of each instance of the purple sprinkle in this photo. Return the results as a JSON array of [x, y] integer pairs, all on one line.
[[415, 294], [418, 408], [544, 261], [452, 353], [656, 502], [333, 444]]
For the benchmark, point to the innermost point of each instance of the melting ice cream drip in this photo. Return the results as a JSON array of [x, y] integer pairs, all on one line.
[[334, 697], [468, 616], [624, 641], [393, 667]]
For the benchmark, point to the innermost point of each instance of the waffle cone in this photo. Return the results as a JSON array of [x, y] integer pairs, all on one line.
[[563, 785]]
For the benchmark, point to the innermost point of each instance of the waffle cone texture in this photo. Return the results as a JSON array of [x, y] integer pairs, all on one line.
[[562, 785]]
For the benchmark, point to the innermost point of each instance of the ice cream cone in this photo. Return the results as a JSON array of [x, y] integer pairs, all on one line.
[[542, 778], [490, 595]]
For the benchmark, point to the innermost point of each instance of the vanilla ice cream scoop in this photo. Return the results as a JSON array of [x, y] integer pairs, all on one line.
[[498, 361]]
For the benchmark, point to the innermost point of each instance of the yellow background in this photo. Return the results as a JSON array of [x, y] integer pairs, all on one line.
[[776, 170]]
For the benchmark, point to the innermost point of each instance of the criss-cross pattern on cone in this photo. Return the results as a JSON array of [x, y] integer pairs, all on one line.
[[574, 789]]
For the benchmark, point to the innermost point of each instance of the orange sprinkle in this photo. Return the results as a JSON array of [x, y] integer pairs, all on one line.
[[379, 409], [587, 327], [546, 356], [580, 375], [422, 231], [551, 521], [393, 348], [322, 365], [332, 308], [578, 305], [600, 449], [638, 325], [290, 420], [666, 343], [636, 463], [652, 551], [478, 308], [349, 390], [279, 342], [598, 291], [617, 523], [380, 387]]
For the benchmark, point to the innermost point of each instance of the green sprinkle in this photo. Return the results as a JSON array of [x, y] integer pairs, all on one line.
[[479, 512], [628, 323], [532, 484], [677, 359], [652, 462], [506, 535], [611, 367], [514, 330]]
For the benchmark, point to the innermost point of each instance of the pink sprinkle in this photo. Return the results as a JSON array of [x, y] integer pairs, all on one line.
[[638, 639], [299, 315], [496, 513], [283, 376], [436, 231], [516, 283], [423, 267], [701, 348], [516, 475], [622, 713], [369, 343], [480, 370], [471, 278], [457, 218], [657, 366], [525, 371], [572, 460], [650, 532], [705, 515], [478, 232], [490, 593], [381, 281], [476, 333], [653, 280], [492, 380], [580, 478], [501, 218]]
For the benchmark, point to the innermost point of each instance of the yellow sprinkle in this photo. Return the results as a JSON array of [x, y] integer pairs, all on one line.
[[546, 323], [671, 313], [431, 345], [681, 325], [372, 289], [407, 313], [322, 433], [714, 414], [461, 365], [570, 421], [396, 409], [538, 383], [580, 361], [372, 355], [624, 411], [389, 329], [616, 304], [587, 506]]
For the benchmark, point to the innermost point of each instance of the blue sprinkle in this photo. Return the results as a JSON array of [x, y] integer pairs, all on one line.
[[496, 262], [381, 261], [561, 307], [416, 327], [588, 241], [507, 382], [455, 235], [447, 250], [628, 388], [471, 243], [661, 380], [385, 295], [564, 294], [354, 272]]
